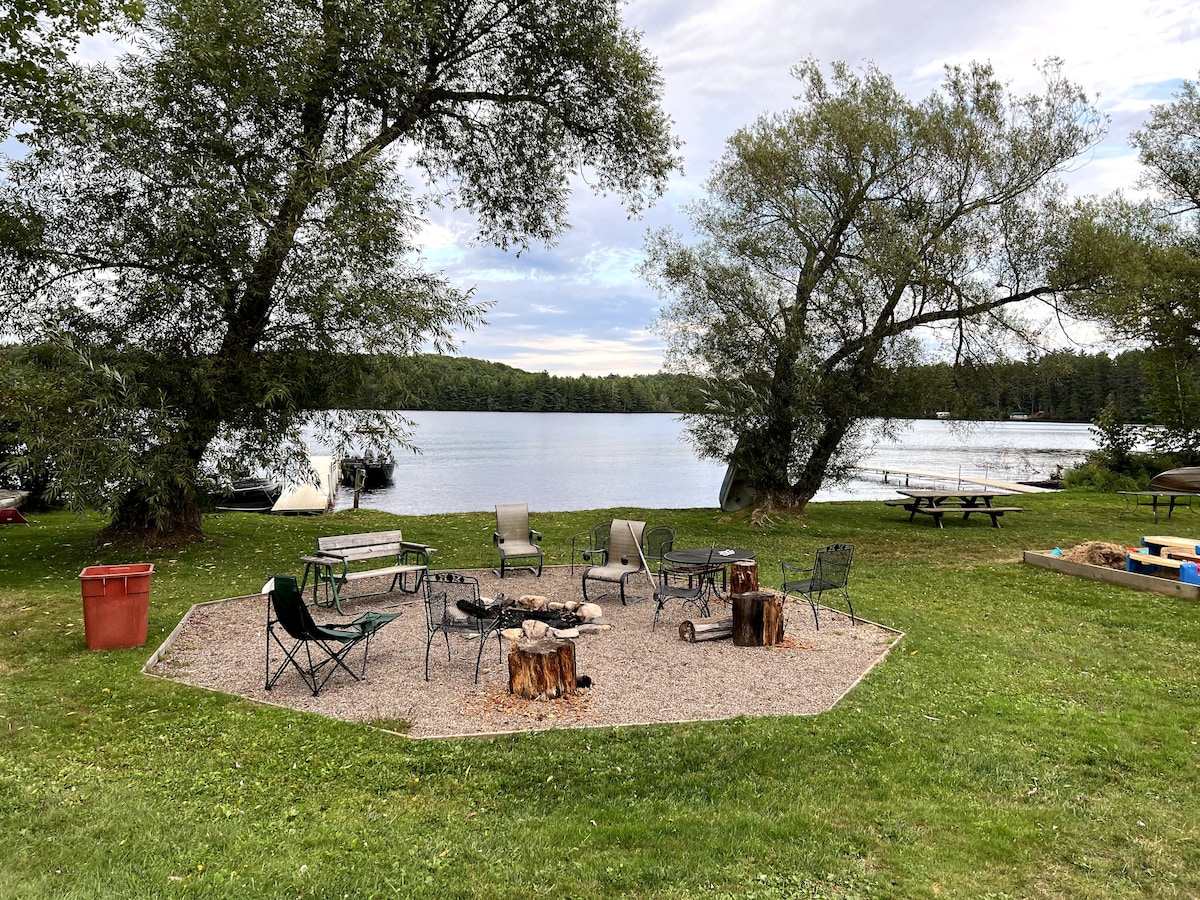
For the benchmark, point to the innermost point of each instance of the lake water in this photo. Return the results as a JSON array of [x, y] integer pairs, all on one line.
[[471, 461]]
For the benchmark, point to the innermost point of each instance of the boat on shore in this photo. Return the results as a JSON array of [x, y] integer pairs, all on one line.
[[1186, 480], [250, 495]]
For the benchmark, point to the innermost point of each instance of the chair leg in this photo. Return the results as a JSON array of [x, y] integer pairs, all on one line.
[[813, 604]]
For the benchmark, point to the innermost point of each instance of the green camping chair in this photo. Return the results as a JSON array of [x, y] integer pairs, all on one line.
[[333, 643]]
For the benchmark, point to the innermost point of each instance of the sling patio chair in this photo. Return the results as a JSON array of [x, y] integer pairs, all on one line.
[[333, 643], [590, 545], [515, 539], [453, 605], [830, 572], [624, 559], [690, 585]]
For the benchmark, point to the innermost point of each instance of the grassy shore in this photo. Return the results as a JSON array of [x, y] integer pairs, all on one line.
[[1032, 736]]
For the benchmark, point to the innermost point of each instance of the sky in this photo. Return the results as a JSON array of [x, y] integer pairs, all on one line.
[[580, 307]]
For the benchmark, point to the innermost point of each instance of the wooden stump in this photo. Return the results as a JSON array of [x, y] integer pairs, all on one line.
[[743, 577], [541, 670], [757, 619], [713, 629]]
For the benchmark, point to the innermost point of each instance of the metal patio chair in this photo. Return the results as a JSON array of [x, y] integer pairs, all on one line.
[[830, 572], [624, 557], [514, 539], [446, 595]]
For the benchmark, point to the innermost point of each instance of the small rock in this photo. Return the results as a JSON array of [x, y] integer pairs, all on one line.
[[589, 611]]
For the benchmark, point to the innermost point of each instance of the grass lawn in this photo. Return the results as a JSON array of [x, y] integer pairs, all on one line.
[[1032, 736]]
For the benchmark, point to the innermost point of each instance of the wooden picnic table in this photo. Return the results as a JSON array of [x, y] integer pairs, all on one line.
[[936, 503]]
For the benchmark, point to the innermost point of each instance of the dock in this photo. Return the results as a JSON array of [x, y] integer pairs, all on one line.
[[309, 498], [901, 477]]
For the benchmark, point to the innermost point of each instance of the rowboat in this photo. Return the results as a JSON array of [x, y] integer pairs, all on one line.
[[1186, 480]]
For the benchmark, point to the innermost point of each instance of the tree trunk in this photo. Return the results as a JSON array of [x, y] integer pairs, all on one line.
[[541, 670], [757, 619], [743, 577]]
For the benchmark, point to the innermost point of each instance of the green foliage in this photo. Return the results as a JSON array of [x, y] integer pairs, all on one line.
[[832, 232], [1031, 735], [240, 192], [455, 383]]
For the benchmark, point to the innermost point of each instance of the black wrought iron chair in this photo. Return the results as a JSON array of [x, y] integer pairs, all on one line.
[[453, 605], [623, 559], [657, 542], [591, 546], [830, 572], [287, 612], [691, 585], [514, 538]]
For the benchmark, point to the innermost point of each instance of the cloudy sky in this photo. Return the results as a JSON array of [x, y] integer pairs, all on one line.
[[579, 307]]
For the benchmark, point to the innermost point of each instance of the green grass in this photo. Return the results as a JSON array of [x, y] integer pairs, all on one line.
[[1032, 736]]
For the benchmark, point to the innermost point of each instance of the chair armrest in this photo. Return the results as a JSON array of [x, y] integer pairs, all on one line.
[[535, 536], [497, 540]]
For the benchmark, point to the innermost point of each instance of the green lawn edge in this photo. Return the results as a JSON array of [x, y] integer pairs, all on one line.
[[1034, 735]]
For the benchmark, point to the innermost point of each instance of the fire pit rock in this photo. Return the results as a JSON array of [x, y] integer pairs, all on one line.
[[532, 617]]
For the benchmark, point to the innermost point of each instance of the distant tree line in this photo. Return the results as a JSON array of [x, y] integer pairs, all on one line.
[[1064, 386]]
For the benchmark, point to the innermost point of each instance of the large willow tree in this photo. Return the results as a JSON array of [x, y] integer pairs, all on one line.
[[834, 233], [245, 185]]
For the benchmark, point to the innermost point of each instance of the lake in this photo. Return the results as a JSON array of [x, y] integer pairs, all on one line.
[[471, 461]]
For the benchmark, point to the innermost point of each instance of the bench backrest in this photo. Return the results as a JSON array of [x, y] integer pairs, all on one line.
[[370, 545]]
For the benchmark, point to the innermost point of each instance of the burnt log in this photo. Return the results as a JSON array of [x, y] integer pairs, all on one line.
[[714, 629], [757, 619], [542, 669]]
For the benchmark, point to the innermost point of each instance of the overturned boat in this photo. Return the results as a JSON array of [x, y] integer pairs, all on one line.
[[1185, 480]]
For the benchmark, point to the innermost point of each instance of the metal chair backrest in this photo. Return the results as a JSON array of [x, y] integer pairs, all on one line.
[[600, 535], [443, 591], [833, 565], [658, 541]]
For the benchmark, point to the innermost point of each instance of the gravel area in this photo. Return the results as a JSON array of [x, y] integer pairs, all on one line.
[[638, 676]]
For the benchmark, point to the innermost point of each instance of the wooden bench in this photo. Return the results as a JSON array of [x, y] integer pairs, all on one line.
[[942, 509], [330, 565]]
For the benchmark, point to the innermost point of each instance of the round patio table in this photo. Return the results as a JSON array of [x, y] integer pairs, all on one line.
[[721, 556]]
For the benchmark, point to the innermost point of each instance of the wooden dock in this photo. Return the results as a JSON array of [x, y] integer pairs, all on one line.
[[901, 478], [309, 498]]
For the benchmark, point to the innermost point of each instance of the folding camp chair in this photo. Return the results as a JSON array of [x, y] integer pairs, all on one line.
[[286, 609]]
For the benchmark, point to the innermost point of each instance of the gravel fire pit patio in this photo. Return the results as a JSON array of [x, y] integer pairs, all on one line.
[[637, 676]]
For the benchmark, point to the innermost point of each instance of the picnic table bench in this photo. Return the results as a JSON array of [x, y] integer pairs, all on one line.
[[330, 566], [937, 503], [1151, 564]]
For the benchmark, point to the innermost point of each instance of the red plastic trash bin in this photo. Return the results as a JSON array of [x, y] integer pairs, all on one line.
[[116, 605]]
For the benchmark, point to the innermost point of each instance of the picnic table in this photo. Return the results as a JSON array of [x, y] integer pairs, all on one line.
[[936, 503], [1154, 499]]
